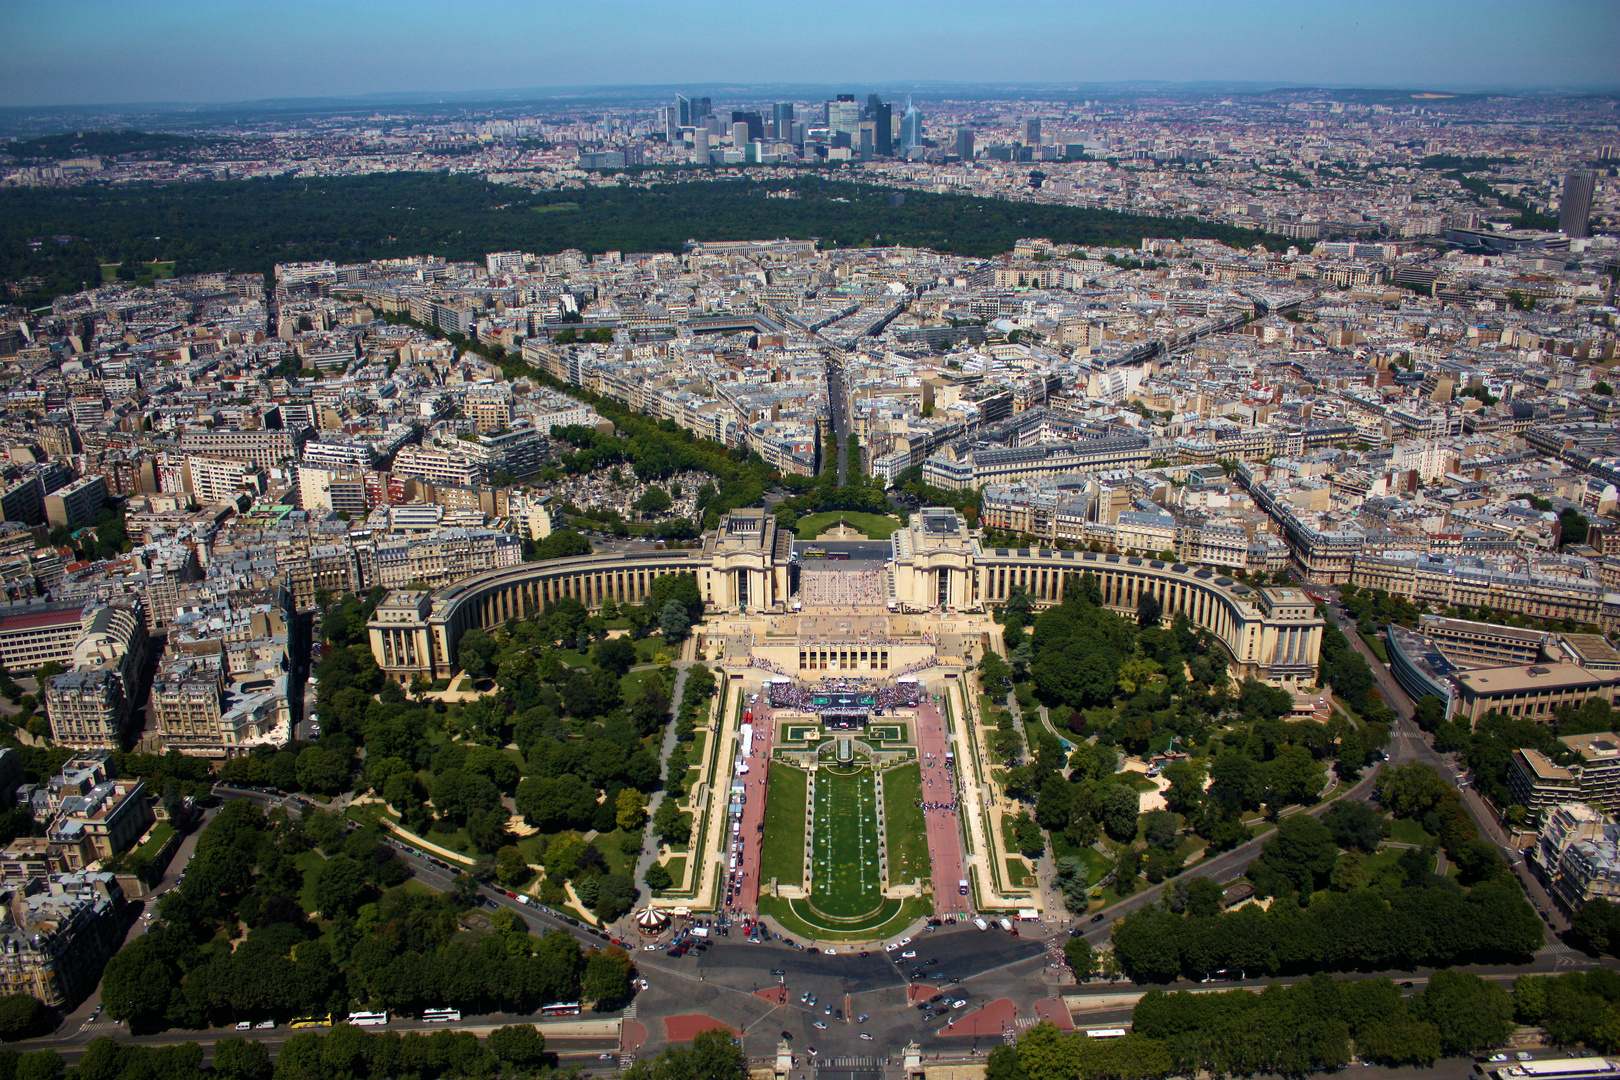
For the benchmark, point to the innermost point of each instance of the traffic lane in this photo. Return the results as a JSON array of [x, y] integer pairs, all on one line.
[[965, 952], [1410, 982], [273, 1038], [854, 973]]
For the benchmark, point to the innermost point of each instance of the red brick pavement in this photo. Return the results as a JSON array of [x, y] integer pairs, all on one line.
[[688, 1026], [753, 815], [1054, 1011], [944, 835], [994, 1020]]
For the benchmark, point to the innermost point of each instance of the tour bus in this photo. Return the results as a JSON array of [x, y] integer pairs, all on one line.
[[835, 556], [369, 1019], [312, 1021], [560, 1008], [1582, 1068], [815, 553], [441, 1016], [1106, 1033]]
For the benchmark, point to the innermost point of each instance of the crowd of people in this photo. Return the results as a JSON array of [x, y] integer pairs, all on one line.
[[946, 778], [799, 698], [841, 588]]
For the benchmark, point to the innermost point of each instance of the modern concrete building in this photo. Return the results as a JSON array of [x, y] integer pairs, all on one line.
[[1535, 692], [79, 502], [1575, 209], [33, 632], [1536, 782], [1468, 642]]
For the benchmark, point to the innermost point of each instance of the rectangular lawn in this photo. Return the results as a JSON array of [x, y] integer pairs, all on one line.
[[906, 824], [782, 853], [845, 854]]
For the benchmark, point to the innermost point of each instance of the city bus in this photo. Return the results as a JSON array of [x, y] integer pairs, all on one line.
[[441, 1016], [368, 1019], [560, 1008], [815, 553], [1106, 1033], [311, 1021]]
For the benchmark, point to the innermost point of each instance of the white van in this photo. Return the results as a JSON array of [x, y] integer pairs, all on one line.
[[981, 924], [1005, 924]]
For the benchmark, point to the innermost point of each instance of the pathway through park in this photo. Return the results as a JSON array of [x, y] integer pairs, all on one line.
[[944, 833], [753, 815]]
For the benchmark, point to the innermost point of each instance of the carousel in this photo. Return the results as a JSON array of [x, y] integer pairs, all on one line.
[[651, 922]]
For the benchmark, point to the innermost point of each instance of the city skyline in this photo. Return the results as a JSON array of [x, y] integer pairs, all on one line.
[[184, 52]]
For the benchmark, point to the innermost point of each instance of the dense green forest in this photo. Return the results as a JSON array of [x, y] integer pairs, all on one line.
[[250, 225], [103, 144]]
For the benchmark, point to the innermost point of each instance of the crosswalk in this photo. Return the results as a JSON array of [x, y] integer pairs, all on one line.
[[853, 1063], [1564, 956]]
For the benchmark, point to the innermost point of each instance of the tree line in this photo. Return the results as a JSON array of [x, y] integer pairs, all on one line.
[[344, 1053], [249, 225], [1317, 1025]]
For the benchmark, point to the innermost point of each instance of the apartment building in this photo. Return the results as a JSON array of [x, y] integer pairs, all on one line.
[[439, 558], [1578, 856], [89, 706], [105, 821], [1469, 582], [81, 501], [436, 466], [186, 697], [1537, 783], [215, 480], [263, 447], [23, 500], [309, 570], [55, 934]]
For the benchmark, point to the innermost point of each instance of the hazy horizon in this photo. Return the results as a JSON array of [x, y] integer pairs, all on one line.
[[103, 53]]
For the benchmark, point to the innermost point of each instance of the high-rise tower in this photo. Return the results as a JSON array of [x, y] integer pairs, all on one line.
[[882, 116], [911, 126], [782, 115], [1575, 209], [843, 116]]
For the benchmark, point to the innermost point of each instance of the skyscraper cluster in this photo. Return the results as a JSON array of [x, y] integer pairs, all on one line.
[[844, 129]]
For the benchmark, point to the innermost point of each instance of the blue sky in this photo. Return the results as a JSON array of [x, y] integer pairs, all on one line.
[[106, 51]]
